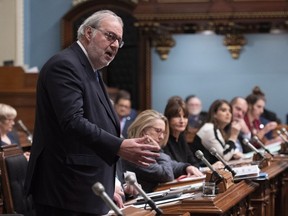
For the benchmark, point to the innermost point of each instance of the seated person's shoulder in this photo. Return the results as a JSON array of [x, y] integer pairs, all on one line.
[[133, 113], [264, 120], [270, 116], [13, 136], [204, 114], [205, 128]]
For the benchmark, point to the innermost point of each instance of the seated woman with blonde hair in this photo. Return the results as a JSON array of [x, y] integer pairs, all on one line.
[[8, 136], [7, 116], [155, 125]]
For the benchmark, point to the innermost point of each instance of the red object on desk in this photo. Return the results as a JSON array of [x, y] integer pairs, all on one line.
[[181, 177]]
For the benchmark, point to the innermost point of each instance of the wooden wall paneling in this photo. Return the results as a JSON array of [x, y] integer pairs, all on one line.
[[18, 89]]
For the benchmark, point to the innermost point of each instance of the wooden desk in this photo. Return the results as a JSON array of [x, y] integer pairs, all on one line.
[[271, 198], [282, 198], [267, 197], [131, 211], [234, 201]]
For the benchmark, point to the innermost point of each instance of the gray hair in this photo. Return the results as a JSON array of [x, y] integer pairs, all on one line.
[[144, 120], [95, 19], [7, 111]]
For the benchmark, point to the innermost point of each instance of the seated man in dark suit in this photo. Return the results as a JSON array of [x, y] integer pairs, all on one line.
[[239, 109], [126, 114], [196, 116]]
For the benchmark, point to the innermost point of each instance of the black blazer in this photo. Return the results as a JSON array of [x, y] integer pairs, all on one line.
[[76, 136]]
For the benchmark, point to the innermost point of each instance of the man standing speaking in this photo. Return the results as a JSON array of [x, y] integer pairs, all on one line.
[[76, 137]]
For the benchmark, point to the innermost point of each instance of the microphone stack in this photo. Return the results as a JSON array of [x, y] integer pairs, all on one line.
[[25, 130], [257, 140], [132, 181], [99, 190], [258, 157], [223, 179], [284, 136]]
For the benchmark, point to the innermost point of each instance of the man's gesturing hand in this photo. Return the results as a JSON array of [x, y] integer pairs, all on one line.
[[140, 151]]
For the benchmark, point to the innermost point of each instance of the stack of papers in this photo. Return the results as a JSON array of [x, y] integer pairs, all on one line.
[[246, 172], [165, 201], [172, 194]]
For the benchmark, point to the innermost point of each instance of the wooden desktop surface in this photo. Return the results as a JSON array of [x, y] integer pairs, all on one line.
[[218, 205], [268, 197]]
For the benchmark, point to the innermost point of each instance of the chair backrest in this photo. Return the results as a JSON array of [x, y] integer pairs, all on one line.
[[13, 165]]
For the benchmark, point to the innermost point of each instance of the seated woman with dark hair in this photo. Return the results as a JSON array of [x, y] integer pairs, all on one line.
[[177, 147], [154, 125], [258, 125], [219, 132]]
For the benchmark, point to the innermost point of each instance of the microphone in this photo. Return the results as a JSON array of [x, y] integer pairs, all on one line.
[[99, 190], [25, 129], [226, 166], [131, 180], [247, 143], [284, 131], [199, 155], [256, 139], [282, 136]]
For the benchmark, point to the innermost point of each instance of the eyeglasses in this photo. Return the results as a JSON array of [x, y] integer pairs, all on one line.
[[111, 37], [123, 106], [159, 131], [9, 119]]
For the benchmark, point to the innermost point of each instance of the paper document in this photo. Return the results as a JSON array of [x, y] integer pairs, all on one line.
[[159, 203], [244, 172]]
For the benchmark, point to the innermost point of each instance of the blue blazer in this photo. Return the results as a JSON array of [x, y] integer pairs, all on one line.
[[129, 120], [76, 136]]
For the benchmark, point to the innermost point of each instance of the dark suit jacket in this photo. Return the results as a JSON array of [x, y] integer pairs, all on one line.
[[197, 121], [128, 122], [76, 136]]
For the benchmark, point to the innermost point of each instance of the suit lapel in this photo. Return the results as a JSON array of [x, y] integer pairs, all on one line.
[[101, 90], [103, 95]]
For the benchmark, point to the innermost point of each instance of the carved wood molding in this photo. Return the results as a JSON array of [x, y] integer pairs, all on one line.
[[182, 1], [186, 17], [234, 44]]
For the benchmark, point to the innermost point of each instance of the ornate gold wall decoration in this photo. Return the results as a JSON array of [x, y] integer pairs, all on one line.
[[147, 27], [163, 43], [159, 35], [234, 43]]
